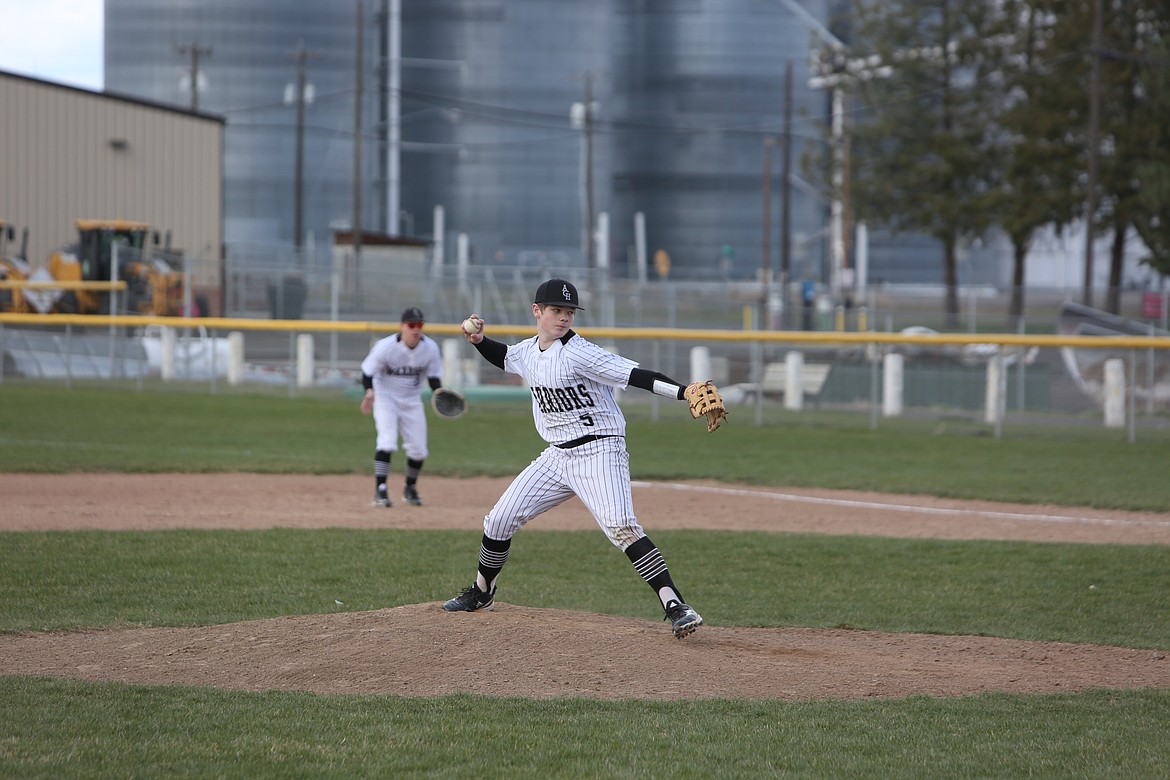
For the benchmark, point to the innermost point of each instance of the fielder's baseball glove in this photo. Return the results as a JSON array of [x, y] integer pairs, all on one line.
[[705, 401], [448, 403]]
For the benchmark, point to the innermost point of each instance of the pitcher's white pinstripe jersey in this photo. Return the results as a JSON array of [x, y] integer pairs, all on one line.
[[572, 384]]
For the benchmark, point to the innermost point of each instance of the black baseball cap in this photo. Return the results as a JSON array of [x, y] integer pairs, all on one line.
[[558, 292], [413, 314]]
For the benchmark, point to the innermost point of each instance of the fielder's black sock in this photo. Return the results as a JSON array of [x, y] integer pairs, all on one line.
[[651, 567], [413, 467], [493, 554]]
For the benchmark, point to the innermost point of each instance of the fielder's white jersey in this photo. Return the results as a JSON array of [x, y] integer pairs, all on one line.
[[572, 384], [398, 371]]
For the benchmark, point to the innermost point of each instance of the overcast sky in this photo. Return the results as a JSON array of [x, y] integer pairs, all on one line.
[[55, 40]]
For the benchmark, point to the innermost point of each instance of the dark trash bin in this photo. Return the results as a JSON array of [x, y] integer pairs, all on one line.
[[286, 301]]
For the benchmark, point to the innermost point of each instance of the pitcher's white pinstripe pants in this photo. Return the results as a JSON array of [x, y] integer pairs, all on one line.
[[597, 472]]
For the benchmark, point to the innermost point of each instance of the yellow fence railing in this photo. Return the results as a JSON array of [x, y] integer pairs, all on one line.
[[25, 284], [826, 338]]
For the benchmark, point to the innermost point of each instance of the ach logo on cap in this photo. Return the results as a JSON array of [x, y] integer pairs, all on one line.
[[558, 292]]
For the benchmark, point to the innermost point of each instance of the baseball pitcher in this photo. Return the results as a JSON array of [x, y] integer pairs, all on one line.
[[573, 382]]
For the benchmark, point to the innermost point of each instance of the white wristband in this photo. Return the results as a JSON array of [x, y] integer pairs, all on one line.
[[666, 389]]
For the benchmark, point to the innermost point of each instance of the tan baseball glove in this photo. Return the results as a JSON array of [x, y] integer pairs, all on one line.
[[705, 401]]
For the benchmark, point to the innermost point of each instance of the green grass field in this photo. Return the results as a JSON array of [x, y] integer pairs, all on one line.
[[46, 428], [91, 580]]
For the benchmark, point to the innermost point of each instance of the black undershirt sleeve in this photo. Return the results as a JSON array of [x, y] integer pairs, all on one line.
[[643, 378], [493, 352], [434, 382], [367, 381]]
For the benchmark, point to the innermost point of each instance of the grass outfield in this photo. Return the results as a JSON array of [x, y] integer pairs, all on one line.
[[52, 728], [47, 428]]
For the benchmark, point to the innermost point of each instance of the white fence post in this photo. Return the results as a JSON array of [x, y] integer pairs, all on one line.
[[167, 340], [452, 365], [235, 368], [700, 364], [893, 366], [437, 257], [305, 364], [993, 405], [794, 380], [1115, 393]]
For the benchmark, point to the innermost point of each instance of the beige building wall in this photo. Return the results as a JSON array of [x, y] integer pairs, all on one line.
[[69, 154]]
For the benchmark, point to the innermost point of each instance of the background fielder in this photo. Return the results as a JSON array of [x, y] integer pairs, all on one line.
[[392, 374], [572, 381]]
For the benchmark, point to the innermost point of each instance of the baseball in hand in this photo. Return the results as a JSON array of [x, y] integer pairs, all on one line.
[[470, 326]]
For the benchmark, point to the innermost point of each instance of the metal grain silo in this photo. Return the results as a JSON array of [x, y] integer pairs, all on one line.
[[702, 86], [246, 61], [491, 85], [682, 95]]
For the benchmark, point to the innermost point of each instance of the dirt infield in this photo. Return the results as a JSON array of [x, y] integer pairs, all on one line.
[[540, 652]]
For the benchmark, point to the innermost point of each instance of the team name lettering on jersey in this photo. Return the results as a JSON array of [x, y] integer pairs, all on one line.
[[562, 399], [405, 370]]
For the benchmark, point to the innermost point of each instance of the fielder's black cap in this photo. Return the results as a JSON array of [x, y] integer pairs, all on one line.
[[558, 292], [413, 314]]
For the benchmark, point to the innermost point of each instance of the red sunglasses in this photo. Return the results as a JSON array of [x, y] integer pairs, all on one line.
[[413, 324]]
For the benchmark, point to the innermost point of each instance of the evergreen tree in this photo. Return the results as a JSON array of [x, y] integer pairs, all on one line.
[[973, 114], [1037, 185], [1131, 153], [923, 159], [1137, 60]]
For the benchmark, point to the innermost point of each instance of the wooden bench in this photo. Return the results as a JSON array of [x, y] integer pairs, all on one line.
[[813, 378], [775, 382]]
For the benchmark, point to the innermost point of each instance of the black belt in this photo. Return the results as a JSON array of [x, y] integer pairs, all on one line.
[[585, 440]]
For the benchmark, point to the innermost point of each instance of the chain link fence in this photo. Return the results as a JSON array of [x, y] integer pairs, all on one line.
[[332, 315]]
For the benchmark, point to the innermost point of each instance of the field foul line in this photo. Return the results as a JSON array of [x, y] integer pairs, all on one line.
[[1037, 518]]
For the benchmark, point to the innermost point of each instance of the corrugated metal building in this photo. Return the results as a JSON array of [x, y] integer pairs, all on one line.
[[69, 154]]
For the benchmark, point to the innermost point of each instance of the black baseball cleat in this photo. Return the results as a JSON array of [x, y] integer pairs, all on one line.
[[470, 599], [683, 619], [381, 499], [410, 496]]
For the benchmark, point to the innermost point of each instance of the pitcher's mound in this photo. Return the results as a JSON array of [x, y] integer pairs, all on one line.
[[420, 650]]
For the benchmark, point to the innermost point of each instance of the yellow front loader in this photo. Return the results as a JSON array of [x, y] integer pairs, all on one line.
[[14, 267], [117, 250]]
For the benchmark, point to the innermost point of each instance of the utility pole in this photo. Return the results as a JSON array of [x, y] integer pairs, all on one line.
[[300, 57], [393, 116], [383, 123], [359, 13], [589, 238], [836, 206], [195, 52], [1094, 143], [299, 96], [766, 238], [581, 117], [830, 75], [848, 276], [785, 193]]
